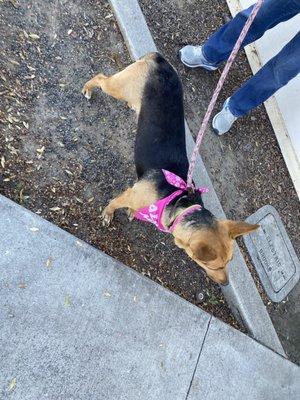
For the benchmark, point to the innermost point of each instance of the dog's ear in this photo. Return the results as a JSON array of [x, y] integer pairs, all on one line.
[[203, 251], [239, 228]]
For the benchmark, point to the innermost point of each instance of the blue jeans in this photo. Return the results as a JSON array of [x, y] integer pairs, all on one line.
[[273, 75]]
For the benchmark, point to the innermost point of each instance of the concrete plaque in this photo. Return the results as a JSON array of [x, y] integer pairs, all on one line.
[[272, 254]]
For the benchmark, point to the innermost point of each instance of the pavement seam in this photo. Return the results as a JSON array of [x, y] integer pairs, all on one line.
[[198, 358], [242, 294]]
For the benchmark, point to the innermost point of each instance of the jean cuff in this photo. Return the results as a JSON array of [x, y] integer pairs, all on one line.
[[207, 58], [234, 111]]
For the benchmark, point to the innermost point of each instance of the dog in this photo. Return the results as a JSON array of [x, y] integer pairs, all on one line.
[[152, 88]]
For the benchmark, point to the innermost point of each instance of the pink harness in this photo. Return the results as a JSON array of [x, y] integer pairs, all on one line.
[[154, 212]]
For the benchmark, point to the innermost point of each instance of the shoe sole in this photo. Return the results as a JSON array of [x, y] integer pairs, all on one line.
[[208, 68], [214, 119], [215, 129]]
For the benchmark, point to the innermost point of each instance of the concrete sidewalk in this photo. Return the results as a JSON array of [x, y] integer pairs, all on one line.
[[76, 324]]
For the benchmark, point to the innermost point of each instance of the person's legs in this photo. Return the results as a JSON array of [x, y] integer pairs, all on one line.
[[270, 78], [219, 46]]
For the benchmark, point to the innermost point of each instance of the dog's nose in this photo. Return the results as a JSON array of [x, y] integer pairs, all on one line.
[[225, 279], [225, 284]]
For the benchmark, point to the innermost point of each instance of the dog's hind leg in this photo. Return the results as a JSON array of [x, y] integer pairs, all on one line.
[[127, 85]]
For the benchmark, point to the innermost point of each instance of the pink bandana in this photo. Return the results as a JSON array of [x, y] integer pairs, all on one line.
[[154, 212]]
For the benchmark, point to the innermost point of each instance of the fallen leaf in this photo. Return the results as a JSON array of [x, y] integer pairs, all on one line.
[[22, 285], [55, 208], [14, 3], [41, 150], [21, 196], [12, 149], [33, 36], [49, 262], [12, 384], [68, 300], [14, 62]]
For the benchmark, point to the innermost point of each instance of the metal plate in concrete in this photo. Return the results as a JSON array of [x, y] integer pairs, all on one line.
[[272, 254], [77, 325], [234, 367]]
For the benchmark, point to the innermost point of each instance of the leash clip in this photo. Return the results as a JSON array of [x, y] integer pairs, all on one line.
[[191, 191]]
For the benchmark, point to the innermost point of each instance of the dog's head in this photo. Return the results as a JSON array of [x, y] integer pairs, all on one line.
[[212, 247]]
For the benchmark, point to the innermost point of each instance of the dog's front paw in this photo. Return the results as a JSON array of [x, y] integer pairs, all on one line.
[[86, 91], [107, 216], [130, 214], [96, 82]]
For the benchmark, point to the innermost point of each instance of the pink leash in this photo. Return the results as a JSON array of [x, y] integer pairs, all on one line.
[[218, 89]]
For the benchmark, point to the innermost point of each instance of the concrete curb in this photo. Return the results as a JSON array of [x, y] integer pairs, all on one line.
[[241, 293]]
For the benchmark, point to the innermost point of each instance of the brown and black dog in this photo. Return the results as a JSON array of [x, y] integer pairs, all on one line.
[[152, 88]]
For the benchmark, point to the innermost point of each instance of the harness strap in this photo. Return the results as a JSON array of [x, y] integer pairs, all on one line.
[[154, 212], [180, 217]]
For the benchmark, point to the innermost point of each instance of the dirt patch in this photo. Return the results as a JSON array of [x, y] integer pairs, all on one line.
[[64, 157], [246, 166]]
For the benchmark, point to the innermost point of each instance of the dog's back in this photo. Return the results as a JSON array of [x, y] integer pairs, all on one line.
[[160, 140]]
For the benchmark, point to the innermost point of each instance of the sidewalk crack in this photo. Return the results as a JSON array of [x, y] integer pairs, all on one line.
[[197, 362]]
